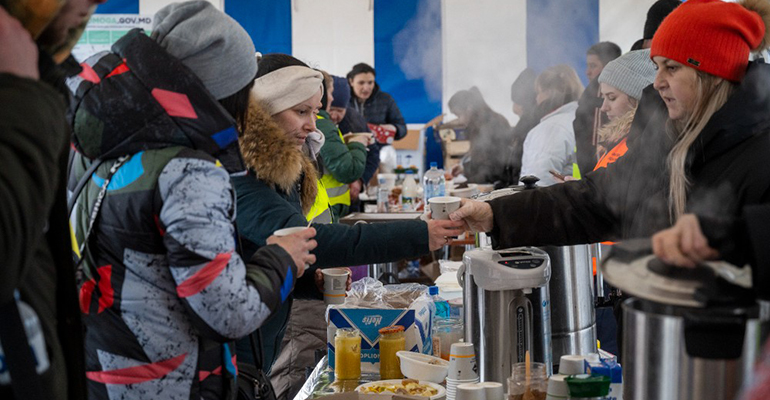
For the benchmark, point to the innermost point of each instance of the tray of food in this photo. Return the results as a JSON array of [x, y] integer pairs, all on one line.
[[407, 387]]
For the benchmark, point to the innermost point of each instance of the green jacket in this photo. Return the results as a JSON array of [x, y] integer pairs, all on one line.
[[275, 194], [345, 162]]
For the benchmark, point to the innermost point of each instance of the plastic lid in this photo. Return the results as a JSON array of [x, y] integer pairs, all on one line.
[[433, 290], [434, 165], [557, 387], [572, 365], [391, 329]]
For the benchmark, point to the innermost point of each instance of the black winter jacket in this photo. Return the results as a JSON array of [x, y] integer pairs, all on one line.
[[585, 120], [727, 166], [380, 108], [34, 140]]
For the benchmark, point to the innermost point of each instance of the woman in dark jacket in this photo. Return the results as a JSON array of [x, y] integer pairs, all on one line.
[[716, 138], [379, 109], [281, 188]]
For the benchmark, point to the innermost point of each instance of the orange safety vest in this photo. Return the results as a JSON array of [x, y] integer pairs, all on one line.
[[618, 151], [613, 155]]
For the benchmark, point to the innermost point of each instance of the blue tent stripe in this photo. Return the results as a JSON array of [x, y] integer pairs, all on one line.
[[119, 7], [267, 22], [409, 32], [560, 32]]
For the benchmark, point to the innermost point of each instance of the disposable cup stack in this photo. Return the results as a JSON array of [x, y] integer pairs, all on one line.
[[462, 368]]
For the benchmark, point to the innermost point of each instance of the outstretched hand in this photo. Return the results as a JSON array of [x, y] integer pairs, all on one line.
[[440, 230], [477, 216]]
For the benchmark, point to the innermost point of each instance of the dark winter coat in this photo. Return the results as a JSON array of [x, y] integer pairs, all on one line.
[[585, 125], [380, 109], [275, 194], [727, 166], [35, 248], [163, 292]]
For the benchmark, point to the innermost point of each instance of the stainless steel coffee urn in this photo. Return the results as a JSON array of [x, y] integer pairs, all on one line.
[[573, 318], [688, 333], [505, 294]]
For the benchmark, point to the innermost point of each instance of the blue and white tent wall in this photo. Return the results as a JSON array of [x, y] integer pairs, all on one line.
[[426, 50]]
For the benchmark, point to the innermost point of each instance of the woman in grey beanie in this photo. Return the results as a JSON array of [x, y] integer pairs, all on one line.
[[621, 84]]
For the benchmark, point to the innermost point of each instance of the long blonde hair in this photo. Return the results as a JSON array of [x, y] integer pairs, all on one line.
[[712, 94]]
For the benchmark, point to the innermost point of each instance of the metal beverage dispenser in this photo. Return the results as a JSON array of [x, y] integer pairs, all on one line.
[[507, 308]]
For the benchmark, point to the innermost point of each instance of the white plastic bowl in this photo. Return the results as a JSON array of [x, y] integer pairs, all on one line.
[[423, 367]]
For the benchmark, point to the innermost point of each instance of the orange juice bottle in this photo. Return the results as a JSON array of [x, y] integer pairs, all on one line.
[[392, 340], [347, 354]]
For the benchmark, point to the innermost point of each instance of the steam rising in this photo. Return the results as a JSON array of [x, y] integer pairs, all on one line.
[[417, 48]]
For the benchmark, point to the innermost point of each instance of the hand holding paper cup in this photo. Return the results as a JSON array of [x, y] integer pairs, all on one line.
[[298, 242], [335, 283], [441, 207]]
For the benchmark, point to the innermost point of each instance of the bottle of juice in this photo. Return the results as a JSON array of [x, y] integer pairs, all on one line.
[[392, 340], [347, 354]]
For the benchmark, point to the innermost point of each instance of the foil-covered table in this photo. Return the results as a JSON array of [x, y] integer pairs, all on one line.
[[321, 382]]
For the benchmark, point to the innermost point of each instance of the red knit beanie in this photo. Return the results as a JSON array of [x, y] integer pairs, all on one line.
[[711, 36]]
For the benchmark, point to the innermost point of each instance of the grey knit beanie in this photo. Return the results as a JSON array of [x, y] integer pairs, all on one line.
[[630, 73], [213, 45]]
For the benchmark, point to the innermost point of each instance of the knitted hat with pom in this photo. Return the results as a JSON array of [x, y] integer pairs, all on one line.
[[713, 36]]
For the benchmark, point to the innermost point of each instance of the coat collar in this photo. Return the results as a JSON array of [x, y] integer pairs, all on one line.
[[274, 159]]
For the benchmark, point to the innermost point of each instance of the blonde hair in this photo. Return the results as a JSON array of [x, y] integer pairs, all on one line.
[[712, 93], [562, 84]]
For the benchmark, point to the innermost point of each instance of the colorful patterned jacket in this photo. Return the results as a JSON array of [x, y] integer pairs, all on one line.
[[163, 291]]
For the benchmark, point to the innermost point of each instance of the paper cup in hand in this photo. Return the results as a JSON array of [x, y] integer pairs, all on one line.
[[441, 207], [289, 231], [335, 283]]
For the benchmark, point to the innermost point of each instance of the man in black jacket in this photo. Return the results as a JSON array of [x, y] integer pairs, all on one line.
[[34, 231]]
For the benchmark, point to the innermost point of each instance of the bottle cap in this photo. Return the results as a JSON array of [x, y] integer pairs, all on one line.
[[433, 290], [572, 365], [409, 171], [391, 329], [434, 165]]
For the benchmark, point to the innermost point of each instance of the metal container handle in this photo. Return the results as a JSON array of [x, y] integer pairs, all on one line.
[[713, 336]]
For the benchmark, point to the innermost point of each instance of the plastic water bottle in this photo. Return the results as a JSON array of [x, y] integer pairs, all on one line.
[[35, 338], [442, 306], [409, 192], [434, 184]]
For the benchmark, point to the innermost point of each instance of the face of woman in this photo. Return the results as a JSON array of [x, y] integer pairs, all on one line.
[[298, 121], [329, 98], [677, 85], [363, 85], [616, 103]]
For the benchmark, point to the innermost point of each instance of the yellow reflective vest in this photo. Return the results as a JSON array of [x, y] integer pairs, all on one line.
[[338, 192], [321, 212]]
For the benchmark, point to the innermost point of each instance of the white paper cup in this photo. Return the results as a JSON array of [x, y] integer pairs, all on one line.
[[335, 282], [471, 391], [441, 207], [557, 388], [462, 362], [289, 231], [572, 365], [494, 390]]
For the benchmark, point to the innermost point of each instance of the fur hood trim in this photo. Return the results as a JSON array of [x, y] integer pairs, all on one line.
[[274, 158]]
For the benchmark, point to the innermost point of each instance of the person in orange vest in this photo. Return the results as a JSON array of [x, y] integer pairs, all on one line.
[[621, 84]]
